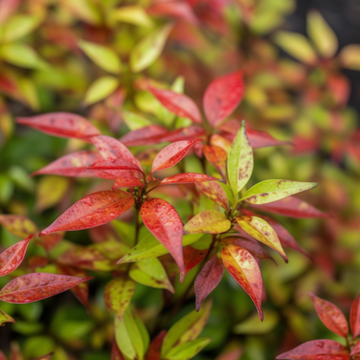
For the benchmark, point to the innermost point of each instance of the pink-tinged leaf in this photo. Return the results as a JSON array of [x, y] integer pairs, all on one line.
[[292, 207], [215, 192], [75, 165], [331, 316], [285, 237], [356, 349], [165, 224], [317, 350], [13, 256], [173, 9], [148, 135], [245, 270], [38, 286], [187, 178], [118, 293], [217, 157], [208, 279], [18, 225], [192, 258], [187, 133], [45, 357], [254, 247], [355, 317], [37, 261], [115, 168], [116, 353], [7, 8], [221, 142], [178, 104], [259, 139], [92, 210], [222, 97], [127, 182], [48, 242], [81, 291], [15, 352], [230, 355], [261, 230], [154, 350], [2, 355], [61, 124], [171, 155]]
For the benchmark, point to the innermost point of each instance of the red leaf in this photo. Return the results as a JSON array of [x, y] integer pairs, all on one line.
[[245, 270], [37, 286], [165, 224], [154, 350], [81, 291], [259, 139], [231, 355], [192, 258], [292, 207], [126, 182], [75, 164], [215, 192], [92, 210], [208, 279], [187, 133], [355, 317], [179, 10], [13, 256], [331, 316], [148, 135], [317, 350], [178, 104], [115, 168], [61, 124], [222, 97], [171, 155], [356, 349], [253, 246], [48, 242], [2, 356], [216, 156], [187, 178], [116, 353]]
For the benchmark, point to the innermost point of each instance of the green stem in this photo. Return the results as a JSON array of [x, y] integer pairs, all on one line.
[[137, 226]]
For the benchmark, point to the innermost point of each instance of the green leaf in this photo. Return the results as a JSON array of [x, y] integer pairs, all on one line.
[[129, 338], [150, 272], [135, 15], [5, 318], [134, 121], [21, 55], [19, 26], [102, 56], [272, 190], [321, 34], [296, 45], [186, 329], [118, 294], [240, 161], [150, 247], [100, 89], [149, 49], [254, 326], [188, 350], [209, 221]]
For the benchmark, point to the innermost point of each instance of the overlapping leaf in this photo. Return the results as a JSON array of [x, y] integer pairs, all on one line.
[[216, 157], [187, 178], [208, 221], [355, 317], [18, 225], [215, 192]]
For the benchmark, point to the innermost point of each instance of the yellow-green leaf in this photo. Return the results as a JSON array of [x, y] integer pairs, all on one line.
[[272, 190], [151, 247], [296, 45], [188, 350], [21, 55], [135, 15], [209, 221], [118, 294], [150, 272], [100, 89], [19, 26], [4, 318], [134, 121], [350, 56], [254, 326], [321, 34], [18, 225], [261, 230], [149, 49], [186, 329], [102, 56], [240, 161]]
